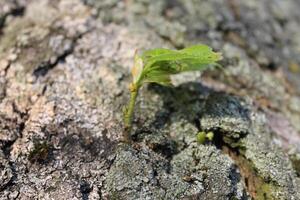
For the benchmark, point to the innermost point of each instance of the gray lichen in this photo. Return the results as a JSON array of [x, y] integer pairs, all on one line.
[[254, 143], [188, 175], [64, 70]]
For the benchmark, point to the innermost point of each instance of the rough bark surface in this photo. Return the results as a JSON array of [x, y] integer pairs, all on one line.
[[64, 75]]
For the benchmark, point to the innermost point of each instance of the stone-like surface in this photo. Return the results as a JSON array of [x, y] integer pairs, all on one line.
[[271, 164], [197, 172], [226, 114], [213, 175], [64, 74]]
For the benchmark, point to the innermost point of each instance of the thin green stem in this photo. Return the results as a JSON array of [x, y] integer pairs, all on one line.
[[128, 117]]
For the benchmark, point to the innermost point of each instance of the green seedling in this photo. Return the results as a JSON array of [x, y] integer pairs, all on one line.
[[157, 65], [202, 137]]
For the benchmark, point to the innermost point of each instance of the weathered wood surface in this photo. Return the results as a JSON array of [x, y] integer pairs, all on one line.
[[64, 73]]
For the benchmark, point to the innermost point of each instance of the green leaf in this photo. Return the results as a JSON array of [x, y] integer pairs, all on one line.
[[159, 64], [200, 54], [160, 79]]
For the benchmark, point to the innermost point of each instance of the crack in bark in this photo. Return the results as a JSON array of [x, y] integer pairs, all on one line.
[[18, 11], [252, 182], [85, 189], [45, 67]]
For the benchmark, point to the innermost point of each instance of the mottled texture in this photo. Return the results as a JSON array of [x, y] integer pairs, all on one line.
[[226, 114], [197, 172], [64, 74], [271, 164]]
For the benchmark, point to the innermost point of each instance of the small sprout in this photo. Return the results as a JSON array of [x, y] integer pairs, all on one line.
[[157, 65], [210, 136], [203, 136]]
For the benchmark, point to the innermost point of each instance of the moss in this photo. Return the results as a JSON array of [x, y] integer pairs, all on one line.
[[40, 152], [294, 67], [265, 192], [114, 195]]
